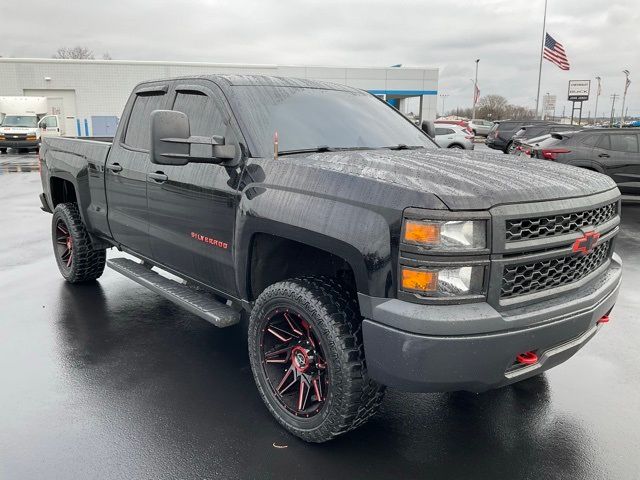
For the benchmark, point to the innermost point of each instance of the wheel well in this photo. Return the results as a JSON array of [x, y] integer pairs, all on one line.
[[62, 191], [456, 144], [274, 259]]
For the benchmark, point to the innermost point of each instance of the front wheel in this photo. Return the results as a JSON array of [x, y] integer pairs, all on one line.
[[455, 145], [307, 358], [77, 260]]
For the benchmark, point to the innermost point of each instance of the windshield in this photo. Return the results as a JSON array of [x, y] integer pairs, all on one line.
[[309, 118], [19, 121]]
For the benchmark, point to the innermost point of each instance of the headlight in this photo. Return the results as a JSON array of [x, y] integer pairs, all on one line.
[[443, 282], [446, 235]]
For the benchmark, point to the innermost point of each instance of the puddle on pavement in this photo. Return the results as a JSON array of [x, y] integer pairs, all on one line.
[[24, 168]]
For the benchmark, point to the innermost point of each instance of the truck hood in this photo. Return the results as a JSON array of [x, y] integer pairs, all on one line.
[[464, 180]]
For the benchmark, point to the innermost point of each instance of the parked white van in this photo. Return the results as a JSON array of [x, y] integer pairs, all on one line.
[[24, 120]]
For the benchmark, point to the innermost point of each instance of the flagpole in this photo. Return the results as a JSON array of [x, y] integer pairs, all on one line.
[[475, 89], [544, 31]]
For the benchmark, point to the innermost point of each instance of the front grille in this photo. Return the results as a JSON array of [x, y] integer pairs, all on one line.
[[521, 279], [540, 227], [15, 136]]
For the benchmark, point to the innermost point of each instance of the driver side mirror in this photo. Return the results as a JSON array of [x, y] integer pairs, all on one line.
[[171, 141]]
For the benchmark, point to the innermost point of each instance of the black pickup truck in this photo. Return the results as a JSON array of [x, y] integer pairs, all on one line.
[[357, 253]]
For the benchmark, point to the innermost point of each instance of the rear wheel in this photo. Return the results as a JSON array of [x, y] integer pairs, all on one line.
[[456, 145], [3, 150], [77, 260], [510, 148], [307, 358]]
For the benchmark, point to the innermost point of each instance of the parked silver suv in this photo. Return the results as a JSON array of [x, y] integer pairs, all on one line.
[[480, 127], [453, 136]]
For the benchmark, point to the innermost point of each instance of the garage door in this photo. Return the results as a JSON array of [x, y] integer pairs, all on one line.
[[61, 103]]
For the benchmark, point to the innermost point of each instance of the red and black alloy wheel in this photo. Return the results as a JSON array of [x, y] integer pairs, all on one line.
[[294, 362], [307, 358], [77, 258], [64, 244]]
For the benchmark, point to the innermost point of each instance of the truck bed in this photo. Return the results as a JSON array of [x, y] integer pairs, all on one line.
[[80, 161]]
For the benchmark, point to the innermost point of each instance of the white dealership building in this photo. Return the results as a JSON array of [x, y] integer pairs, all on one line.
[[90, 94]]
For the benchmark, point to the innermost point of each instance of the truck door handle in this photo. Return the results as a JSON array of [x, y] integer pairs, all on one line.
[[604, 155], [159, 177], [114, 167]]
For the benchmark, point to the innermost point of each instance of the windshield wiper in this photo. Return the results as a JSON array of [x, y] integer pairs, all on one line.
[[323, 148], [402, 146]]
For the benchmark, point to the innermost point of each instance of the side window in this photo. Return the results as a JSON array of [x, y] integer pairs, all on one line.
[[603, 142], [50, 122], [441, 131], [590, 140], [627, 143], [139, 127], [205, 117]]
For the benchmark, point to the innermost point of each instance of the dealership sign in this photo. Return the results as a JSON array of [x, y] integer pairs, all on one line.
[[579, 90]]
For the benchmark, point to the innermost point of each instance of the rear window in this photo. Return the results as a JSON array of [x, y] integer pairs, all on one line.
[[590, 140], [532, 132], [549, 142], [139, 126]]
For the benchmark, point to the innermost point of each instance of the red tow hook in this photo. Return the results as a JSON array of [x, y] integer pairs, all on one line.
[[527, 358], [604, 319]]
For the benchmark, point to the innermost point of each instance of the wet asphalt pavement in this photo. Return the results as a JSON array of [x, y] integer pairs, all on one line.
[[111, 381]]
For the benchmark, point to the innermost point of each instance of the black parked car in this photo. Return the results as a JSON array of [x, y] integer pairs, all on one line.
[[500, 135], [530, 132], [614, 152]]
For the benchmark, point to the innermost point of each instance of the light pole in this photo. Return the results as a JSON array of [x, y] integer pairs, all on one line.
[[595, 116], [443, 96], [475, 89], [545, 105], [613, 107], [624, 95]]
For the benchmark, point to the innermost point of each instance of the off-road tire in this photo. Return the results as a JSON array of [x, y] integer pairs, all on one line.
[[87, 263], [352, 396]]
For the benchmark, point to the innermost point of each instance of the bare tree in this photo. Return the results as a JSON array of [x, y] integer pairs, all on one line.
[[106, 56], [494, 107], [81, 53]]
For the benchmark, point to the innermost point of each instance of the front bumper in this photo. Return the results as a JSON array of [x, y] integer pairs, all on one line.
[[473, 347], [19, 143]]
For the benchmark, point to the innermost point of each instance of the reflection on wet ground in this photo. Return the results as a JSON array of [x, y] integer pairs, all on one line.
[[18, 162]]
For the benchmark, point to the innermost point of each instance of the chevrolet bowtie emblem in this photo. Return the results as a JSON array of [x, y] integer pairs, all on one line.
[[586, 243]]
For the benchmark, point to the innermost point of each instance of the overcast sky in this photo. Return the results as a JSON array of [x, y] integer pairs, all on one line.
[[601, 37]]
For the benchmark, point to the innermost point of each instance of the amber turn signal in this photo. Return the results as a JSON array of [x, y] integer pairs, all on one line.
[[422, 233], [419, 280]]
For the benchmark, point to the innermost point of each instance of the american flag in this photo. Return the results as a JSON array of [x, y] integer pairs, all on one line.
[[554, 52]]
